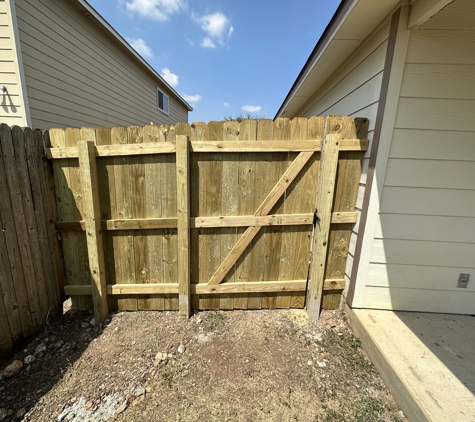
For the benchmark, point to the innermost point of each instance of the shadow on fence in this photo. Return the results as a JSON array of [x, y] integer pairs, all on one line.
[[30, 260]]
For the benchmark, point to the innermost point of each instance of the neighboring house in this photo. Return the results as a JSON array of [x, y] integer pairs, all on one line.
[[409, 67], [63, 65]]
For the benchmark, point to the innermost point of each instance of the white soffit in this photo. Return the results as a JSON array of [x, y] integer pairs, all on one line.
[[361, 20]]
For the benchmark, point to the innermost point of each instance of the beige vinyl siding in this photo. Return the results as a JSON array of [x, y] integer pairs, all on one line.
[[77, 74], [354, 91], [425, 235], [11, 103]]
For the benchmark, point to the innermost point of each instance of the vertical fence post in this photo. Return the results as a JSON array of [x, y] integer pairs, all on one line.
[[183, 222], [92, 217], [325, 193]]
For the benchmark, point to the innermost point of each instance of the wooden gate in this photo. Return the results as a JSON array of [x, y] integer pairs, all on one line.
[[217, 216]]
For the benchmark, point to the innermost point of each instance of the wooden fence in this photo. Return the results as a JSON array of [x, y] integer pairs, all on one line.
[[217, 216], [30, 261]]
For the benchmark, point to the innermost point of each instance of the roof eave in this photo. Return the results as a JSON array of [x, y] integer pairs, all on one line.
[[338, 18], [115, 34]]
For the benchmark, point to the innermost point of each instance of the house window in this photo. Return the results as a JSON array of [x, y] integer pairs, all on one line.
[[162, 101]]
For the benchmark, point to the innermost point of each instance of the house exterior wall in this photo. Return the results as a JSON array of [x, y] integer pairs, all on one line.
[[77, 74], [425, 235], [354, 91], [12, 105]]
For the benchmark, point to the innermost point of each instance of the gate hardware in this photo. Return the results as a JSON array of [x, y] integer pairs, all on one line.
[[316, 218]]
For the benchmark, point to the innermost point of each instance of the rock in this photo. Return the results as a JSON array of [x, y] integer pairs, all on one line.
[[203, 338], [139, 391], [181, 349], [3, 413], [93, 322], [121, 408], [13, 369], [138, 400], [29, 359], [199, 321], [401, 413], [84, 325], [89, 404], [332, 324], [20, 413], [160, 356], [321, 364], [310, 362], [39, 349]]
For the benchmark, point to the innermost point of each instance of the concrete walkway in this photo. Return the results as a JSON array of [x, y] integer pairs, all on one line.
[[426, 360]]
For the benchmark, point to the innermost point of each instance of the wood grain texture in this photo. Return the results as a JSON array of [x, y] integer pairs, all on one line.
[[346, 193], [123, 241], [92, 216], [183, 223], [169, 203], [65, 211], [250, 213], [325, 193], [139, 210], [19, 224], [287, 178], [229, 204]]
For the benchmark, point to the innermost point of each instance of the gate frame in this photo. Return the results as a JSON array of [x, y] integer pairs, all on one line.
[[330, 148]]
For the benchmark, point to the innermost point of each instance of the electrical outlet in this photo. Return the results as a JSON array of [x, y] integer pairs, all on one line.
[[463, 281]]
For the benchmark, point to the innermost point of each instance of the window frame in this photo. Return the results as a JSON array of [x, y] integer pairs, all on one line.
[[159, 91]]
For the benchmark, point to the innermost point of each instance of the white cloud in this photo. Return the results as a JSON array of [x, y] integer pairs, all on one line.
[[191, 98], [140, 46], [170, 77], [208, 43], [159, 10], [226, 104], [251, 108], [216, 26]]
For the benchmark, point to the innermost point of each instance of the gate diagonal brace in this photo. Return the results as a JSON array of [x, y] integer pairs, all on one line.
[[275, 194]]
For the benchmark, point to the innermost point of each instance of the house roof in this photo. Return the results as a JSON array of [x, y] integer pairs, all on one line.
[[352, 22], [102, 22]]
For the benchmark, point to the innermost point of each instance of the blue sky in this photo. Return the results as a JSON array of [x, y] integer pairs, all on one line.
[[224, 57]]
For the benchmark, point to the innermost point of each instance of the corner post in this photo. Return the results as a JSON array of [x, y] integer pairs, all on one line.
[[183, 222], [92, 217]]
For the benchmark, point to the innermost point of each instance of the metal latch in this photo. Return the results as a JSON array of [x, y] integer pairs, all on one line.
[[316, 218]]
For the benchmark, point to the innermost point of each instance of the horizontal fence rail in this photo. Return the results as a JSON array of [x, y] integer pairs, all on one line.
[[217, 216]]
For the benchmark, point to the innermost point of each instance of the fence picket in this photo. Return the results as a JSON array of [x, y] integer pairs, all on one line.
[[228, 186], [183, 223]]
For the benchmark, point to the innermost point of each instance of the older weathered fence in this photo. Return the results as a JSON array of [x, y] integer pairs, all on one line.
[[215, 216], [30, 267]]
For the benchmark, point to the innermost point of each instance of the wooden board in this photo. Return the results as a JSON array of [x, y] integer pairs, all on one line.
[[123, 241], [266, 260], [325, 194], [245, 190], [153, 209], [346, 193], [15, 214], [92, 215], [183, 222], [250, 218]]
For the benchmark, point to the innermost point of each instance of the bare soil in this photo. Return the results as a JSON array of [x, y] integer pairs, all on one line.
[[217, 366]]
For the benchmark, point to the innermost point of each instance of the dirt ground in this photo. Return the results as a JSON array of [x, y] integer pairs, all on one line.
[[217, 366]]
